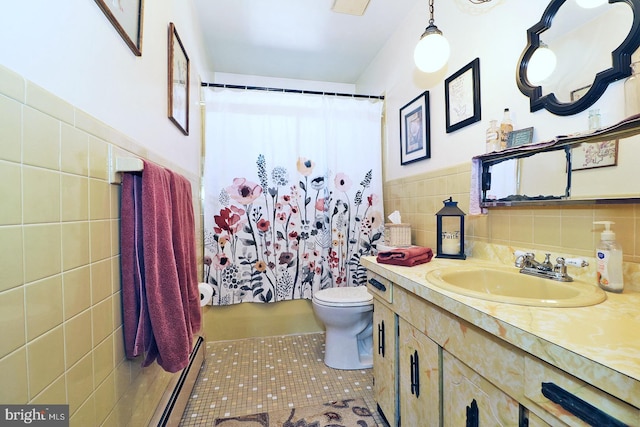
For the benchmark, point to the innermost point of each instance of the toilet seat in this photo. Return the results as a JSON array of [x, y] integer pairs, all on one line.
[[344, 297]]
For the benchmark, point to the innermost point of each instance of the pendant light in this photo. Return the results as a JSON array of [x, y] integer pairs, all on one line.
[[432, 51]]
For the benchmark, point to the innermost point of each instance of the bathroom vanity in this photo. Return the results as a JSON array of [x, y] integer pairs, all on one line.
[[445, 359]]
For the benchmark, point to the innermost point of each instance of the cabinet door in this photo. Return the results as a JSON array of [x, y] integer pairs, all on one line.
[[384, 360], [418, 364], [535, 421], [471, 400]]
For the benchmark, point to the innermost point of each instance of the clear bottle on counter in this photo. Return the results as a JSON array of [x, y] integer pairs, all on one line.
[[506, 127], [493, 137], [632, 91]]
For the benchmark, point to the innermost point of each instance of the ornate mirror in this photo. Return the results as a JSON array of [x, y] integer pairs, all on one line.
[[588, 48]]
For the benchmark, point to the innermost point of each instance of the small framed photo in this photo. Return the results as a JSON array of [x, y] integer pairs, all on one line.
[[589, 155], [579, 93], [415, 135], [520, 137], [462, 96], [178, 82], [126, 17]]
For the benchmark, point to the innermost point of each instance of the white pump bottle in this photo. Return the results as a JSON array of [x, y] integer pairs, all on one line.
[[609, 260]]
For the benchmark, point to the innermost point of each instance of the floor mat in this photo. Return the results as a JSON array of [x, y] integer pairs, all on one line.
[[340, 413]]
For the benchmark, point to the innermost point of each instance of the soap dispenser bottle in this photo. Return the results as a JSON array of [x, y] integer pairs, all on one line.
[[609, 260]]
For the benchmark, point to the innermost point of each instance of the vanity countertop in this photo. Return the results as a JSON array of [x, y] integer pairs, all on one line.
[[600, 343]]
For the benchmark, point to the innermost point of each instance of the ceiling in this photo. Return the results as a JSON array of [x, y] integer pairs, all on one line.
[[297, 39]]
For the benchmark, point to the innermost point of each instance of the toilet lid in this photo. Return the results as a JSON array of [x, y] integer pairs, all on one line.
[[344, 297]]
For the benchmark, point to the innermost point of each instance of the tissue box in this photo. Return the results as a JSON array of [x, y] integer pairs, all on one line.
[[397, 235]]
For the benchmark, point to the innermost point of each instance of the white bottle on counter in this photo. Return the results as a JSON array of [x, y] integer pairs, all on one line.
[[609, 260], [493, 137]]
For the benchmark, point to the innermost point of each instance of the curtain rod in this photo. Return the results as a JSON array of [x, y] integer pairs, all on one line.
[[274, 89]]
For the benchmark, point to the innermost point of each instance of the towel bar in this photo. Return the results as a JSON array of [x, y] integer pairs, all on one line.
[[129, 164], [122, 161]]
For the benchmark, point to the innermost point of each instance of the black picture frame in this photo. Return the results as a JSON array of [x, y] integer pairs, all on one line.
[[462, 97], [415, 130]]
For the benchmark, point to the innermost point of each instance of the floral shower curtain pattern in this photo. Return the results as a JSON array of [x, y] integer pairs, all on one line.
[[293, 194]]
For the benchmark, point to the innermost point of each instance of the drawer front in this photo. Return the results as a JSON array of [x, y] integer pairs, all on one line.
[[495, 360], [410, 307], [590, 405], [380, 287]]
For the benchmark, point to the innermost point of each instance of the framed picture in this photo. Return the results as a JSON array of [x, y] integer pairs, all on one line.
[[178, 82], [589, 155], [126, 17], [520, 137], [579, 93], [415, 137], [462, 96]]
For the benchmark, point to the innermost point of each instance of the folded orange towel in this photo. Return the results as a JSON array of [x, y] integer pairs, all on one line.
[[407, 257]]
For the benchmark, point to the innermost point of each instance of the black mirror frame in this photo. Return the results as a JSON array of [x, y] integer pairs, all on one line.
[[621, 58]]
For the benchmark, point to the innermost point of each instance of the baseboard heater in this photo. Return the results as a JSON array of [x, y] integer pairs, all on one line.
[[175, 398]]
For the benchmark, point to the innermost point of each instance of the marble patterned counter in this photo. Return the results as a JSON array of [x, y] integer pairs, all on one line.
[[599, 344]]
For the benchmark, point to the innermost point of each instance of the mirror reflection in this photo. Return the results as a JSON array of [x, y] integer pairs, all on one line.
[[542, 177], [545, 176], [573, 53], [582, 41], [609, 175]]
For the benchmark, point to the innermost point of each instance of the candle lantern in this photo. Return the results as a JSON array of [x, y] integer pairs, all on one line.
[[450, 231]]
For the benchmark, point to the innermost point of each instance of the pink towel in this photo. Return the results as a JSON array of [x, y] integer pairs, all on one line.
[[407, 257], [184, 246], [137, 325], [161, 301]]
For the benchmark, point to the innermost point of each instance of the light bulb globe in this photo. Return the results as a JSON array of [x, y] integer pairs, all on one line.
[[431, 52], [541, 65]]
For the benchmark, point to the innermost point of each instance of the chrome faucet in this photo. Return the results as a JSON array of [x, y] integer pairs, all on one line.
[[527, 264]]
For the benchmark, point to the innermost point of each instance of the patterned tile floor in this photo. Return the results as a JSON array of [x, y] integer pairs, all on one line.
[[268, 374]]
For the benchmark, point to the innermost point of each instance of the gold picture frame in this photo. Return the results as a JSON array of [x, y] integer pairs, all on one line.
[[178, 82], [126, 17]]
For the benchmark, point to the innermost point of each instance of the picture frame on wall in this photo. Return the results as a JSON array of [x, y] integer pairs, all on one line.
[[415, 132], [462, 97], [579, 93], [590, 155], [126, 17], [178, 84]]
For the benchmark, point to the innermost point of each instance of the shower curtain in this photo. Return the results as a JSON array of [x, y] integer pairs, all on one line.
[[292, 193]]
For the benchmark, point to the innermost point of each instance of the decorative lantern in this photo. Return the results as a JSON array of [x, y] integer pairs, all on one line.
[[450, 231]]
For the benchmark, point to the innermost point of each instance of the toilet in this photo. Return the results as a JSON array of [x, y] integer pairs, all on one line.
[[347, 314]]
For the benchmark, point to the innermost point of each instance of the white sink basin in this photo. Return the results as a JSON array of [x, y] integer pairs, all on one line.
[[507, 285]]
